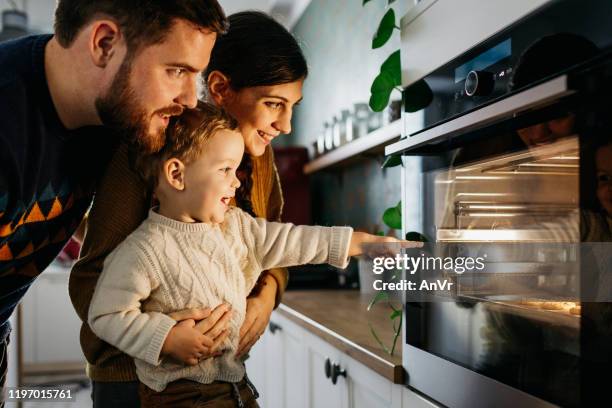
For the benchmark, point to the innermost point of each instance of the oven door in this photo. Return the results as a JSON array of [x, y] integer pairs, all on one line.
[[522, 170]]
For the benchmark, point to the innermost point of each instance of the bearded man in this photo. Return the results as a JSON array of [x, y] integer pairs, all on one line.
[[114, 70]]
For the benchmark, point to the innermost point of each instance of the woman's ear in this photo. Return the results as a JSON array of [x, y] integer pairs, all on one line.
[[219, 88], [174, 173], [104, 41]]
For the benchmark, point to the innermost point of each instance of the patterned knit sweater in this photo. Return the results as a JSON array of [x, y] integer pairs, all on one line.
[[167, 265]]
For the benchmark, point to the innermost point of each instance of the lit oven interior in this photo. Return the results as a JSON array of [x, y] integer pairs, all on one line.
[[524, 197]]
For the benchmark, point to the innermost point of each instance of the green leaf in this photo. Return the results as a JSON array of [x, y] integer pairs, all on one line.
[[380, 296], [365, 1], [393, 218], [393, 67], [415, 236], [417, 96], [381, 91], [392, 161], [389, 3], [385, 29], [395, 314]]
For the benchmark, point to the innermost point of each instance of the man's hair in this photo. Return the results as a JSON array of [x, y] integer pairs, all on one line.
[[186, 138], [142, 22]]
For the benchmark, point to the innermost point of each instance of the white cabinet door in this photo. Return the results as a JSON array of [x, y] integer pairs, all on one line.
[[369, 389], [322, 393], [275, 366], [295, 369], [256, 368], [50, 324]]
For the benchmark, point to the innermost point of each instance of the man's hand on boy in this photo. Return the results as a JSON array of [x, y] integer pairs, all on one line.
[[360, 241], [189, 342]]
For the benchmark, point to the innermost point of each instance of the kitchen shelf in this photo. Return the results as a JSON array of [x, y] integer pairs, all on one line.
[[372, 142]]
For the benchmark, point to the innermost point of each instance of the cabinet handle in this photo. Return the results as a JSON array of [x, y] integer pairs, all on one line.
[[337, 372], [273, 327], [328, 368]]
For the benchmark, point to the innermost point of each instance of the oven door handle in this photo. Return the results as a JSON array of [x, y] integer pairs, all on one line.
[[527, 99]]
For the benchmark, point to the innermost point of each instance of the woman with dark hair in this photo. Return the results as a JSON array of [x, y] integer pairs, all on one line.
[[256, 74]]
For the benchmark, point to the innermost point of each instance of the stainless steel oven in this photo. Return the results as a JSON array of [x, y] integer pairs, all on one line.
[[515, 144]]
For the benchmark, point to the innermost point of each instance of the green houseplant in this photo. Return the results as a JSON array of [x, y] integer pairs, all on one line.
[[414, 98], [390, 76], [392, 218]]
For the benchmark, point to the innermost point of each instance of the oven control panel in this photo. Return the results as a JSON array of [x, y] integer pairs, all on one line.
[[487, 72]]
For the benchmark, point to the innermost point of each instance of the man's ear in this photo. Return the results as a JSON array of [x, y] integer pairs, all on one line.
[[104, 40], [174, 173], [219, 87]]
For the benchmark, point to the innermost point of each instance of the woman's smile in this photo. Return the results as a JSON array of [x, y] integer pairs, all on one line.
[[266, 137]]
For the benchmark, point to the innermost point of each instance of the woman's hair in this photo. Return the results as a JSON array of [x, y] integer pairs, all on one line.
[[186, 137], [255, 51]]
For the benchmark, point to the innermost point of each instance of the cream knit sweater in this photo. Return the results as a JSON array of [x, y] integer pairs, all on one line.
[[166, 265]]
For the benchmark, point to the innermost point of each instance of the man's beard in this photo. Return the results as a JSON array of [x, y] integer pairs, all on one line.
[[119, 110]]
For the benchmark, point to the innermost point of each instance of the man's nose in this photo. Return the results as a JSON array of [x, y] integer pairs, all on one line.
[[189, 94]]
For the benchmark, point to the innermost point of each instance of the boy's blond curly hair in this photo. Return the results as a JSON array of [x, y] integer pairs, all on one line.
[[186, 137]]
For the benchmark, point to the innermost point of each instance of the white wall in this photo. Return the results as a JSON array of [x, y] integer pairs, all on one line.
[[40, 13]]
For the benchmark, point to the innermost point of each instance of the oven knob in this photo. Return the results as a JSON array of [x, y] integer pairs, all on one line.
[[479, 83]]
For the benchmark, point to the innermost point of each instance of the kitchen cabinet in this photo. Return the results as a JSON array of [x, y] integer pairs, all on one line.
[[50, 326], [288, 367], [322, 360], [435, 31]]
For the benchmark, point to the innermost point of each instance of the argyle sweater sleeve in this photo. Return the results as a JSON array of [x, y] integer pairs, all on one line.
[[120, 205]]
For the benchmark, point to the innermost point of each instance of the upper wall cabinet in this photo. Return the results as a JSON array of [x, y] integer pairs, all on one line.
[[436, 31]]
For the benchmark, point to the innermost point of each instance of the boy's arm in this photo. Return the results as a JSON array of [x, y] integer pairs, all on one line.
[[278, 244], [115, 315]]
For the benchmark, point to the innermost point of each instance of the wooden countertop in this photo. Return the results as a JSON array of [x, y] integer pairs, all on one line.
[[340, 318]]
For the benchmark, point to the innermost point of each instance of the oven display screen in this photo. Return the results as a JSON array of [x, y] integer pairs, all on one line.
[[484, 60]]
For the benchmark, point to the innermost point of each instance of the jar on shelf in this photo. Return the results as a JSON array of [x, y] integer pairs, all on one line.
[[336, 125], [320, 144], [346, 131], [329, 137], [361, 114], [375, 121]]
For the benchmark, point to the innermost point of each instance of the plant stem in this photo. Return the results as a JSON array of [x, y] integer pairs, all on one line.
[[396, 335]]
